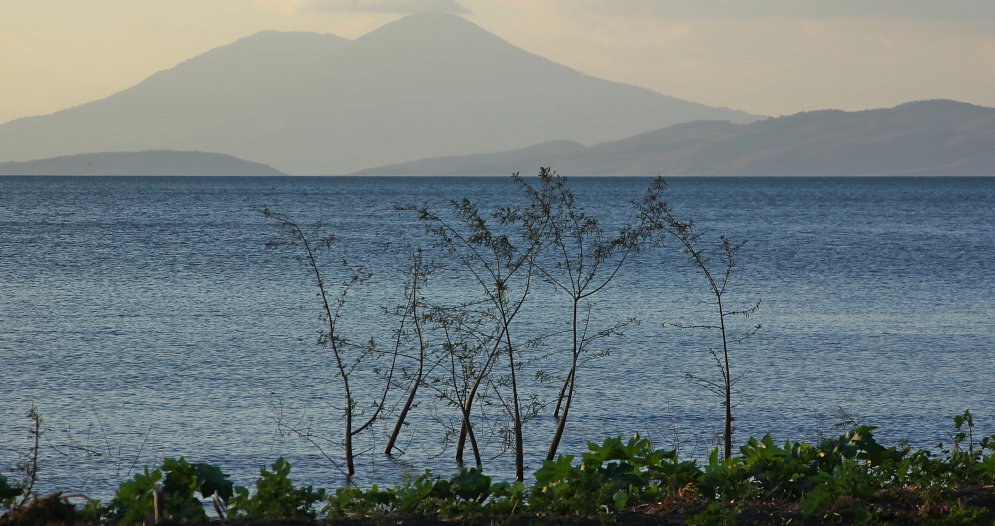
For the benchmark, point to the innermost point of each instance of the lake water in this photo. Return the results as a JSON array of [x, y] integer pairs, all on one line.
[[144, 318]]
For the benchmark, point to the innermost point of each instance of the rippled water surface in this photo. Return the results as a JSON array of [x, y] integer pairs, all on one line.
[[144, 318]]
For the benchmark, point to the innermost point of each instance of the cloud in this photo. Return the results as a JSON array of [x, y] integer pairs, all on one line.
[[926, 10], [383, 6]]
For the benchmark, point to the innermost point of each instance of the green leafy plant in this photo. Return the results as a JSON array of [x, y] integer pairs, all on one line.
[[468, 493], [610, 477], [967, 456], [135, 501], [184, 479], [352, 501], [275, 497], [8, 492], [847, 479]]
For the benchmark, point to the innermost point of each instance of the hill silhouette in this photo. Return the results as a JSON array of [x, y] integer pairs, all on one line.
[[153, 162], [937, 137]]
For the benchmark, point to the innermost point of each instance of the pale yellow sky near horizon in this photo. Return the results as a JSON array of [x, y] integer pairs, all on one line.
[[770, 57]]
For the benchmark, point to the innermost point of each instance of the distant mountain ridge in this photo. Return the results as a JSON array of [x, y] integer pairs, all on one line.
[[154, 162], [936, 137], [430, 84]]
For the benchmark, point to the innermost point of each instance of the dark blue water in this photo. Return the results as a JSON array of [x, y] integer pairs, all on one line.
[[144, 318]]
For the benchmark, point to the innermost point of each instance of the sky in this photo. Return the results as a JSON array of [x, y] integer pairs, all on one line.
[[768, 57]]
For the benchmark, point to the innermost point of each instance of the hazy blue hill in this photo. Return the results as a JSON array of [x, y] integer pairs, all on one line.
[[937, 137], [427, 85], [497, 163], [154, 162]]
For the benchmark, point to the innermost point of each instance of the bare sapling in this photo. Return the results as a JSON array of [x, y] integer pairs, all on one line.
[[717, 278], [413, 311], [346, 354], [30, 467], [579, 259]]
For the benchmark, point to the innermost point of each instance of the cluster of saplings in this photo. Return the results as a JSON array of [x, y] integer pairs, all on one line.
[[849, 479], [465, 341]]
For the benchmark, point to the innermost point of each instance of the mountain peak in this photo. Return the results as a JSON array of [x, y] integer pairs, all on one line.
[[428, 19], [427, 85], [270, 36], [429, 26]]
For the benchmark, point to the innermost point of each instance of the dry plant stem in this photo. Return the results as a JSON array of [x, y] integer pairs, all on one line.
[[506, 318], [563, 393], [32, 470], [561, 423], [466, 429], [726, 381], [331, 338], [416, 273], [140, 449], [466, 408], [516, 407]]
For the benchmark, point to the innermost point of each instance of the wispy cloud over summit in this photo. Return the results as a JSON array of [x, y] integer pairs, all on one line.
[[381, 6], [931, 10]]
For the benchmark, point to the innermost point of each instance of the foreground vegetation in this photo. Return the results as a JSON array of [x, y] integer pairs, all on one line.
[[848, 479]]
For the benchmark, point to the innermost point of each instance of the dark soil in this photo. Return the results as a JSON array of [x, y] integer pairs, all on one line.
[[895, 507]]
